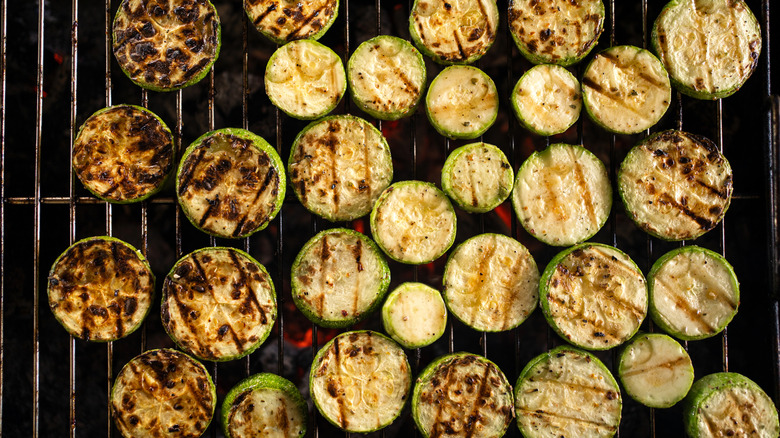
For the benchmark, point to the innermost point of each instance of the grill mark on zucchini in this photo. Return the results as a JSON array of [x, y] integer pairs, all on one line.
[[293, 34], [262, 16], [615, 60], [583, 186], [189, 168], [484, 262], [669, 365], [617, 100], [437, 422], [516, 267], [542, 413], [693, 314], [333, 388]]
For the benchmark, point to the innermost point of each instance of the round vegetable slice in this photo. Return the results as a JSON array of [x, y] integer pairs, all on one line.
[[478, 177], [547, 100], [462, 395], [360, 381], [100, 289], [230, 183], [462, 102], [562, 195], [166, 45], [218, 304], [694, 293], [339, 278], [339, 166], [264, 405], [162, 393], [491, 282], [414, 315], [593, 295], [292, 20]]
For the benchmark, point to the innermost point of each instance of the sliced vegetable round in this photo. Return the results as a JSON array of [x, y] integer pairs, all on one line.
[[264, 405], [593, 295], [231, 183], [491, 282], [626, 90], [413, 222], [462, 395], [292, 20], [164, 45], [547, 100], [462, 102], [360, 381], [562, 195], [694, 293], [414, 315], [339, 166], [100, 289], [123, 153], [478, 177], [218, 304]]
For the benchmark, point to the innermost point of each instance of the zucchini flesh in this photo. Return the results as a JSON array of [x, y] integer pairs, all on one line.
[[414, 315], [282, 22], [546, 99], [462, 102], [264, 405], [477, 176]]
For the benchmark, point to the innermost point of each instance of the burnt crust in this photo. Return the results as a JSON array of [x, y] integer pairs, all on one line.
[[283, 21]]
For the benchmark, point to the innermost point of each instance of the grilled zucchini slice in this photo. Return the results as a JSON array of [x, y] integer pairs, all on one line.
[[339, 166], [462, 395], [100, 289], [491, 282], [165, 45], [264, 405], [462, 102], [567, 392], [694, 293], [230, 183], [360, 381], [478, 177], [414, 315], [163, 393], [626, 90], [305, 79], [218, 304], [558, 32], [547, 99], [282, 22], [454, 31], [709, 47], [339, 278], [413, 222], [675, 185], [593, 295], [562, 195]]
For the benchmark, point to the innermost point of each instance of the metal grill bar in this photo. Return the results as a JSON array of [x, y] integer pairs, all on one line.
[[3, 82], [72, 204]]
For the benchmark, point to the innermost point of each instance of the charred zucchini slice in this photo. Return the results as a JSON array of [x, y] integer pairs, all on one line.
[[264, 405], [305, 79], [478, 177], [626, 90], [562, 195], [123, 153], [593, 295], [100, 289], [165, 45], [163, 393], [414, 315], [462, 102], [218, 304], [675, 185], [282, 22], [360, 381], [413, 222], [710, 48], [230, 183], [454, 31], [339, 166], [462, 395], [694, 293], [339, 278], [558, 32], [491, 282], [547, 99], [567, 392]]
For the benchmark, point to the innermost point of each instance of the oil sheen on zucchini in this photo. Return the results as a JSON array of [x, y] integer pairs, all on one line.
[[264, 405], [478, 177], [414, 315], [286, 21], [462, 102], [547, 99]]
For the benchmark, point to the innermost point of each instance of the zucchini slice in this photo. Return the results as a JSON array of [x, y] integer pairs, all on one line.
[[163, 393], [491, 282], [626, 90], [339, 166], [414, 315], [339, 278], [282, 22], [547, 99], [462, 395], [462, 102], [360, 381], [100, 289], [305, 79], [558, 32], [562, 195], [593, 295], [655, 370], [709, 47], [454, 31], [478, 177], [694, 293], [413, 222], [230, 183], [166, 45], [675, 185], [264, 405], [123, 154], [567, 392], [218, 304]]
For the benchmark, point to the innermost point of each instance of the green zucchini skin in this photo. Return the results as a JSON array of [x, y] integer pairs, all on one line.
[[547, 99], [414, 315], [462, 102], [290, 22], [478, 177]]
